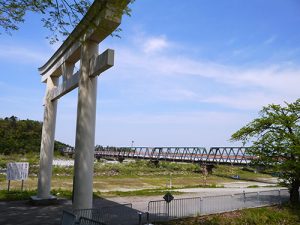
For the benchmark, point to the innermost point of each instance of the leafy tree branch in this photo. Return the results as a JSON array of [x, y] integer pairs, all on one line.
[[58, 16], [275, 140]]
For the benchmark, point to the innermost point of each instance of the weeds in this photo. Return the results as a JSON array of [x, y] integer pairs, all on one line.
[[285, 215]]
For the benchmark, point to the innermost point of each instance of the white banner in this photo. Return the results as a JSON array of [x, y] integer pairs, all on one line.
[[17, 171]]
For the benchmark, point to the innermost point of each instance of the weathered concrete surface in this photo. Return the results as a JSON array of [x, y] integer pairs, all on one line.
[[47, 142], [85, 131]]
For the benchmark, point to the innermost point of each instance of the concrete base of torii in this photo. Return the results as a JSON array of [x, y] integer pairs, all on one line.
[[50, 200]]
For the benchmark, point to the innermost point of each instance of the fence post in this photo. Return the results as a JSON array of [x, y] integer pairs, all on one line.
[[232, 202], [8, 185], [244, 197], [258, 200], [147, 214], [22, 185], [279, 195], [168, 210], [140, 218], [201, 206]]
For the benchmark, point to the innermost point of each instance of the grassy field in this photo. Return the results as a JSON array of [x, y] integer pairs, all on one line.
[[285, 215], [135, 176], [122, 182]]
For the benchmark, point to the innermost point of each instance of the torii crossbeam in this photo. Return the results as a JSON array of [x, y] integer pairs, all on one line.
[[103, 17]]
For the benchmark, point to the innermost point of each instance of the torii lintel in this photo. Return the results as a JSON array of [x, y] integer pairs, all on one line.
[[99, 22], [98, 64]]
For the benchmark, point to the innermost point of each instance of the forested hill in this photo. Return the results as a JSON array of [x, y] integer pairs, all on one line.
[[21, 136]]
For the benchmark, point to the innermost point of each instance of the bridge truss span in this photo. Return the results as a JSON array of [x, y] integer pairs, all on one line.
[[219, 155]]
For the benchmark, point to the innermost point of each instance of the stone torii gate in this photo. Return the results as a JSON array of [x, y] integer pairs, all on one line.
[[102, 18]]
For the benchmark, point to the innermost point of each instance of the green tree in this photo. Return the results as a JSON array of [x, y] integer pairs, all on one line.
[[59, 16], [275, 140], [22, 136]]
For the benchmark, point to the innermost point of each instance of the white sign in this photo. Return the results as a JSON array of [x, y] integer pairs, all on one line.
[[17, 171]]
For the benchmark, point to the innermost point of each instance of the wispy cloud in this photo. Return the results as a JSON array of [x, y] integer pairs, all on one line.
[[22, 54], [231, 41], [155, 44], [178, 77], [245, 100], [280, 76], [270, 40], [149, 45]]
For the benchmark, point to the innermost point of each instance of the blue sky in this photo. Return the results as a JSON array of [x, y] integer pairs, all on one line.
[[187, 73]]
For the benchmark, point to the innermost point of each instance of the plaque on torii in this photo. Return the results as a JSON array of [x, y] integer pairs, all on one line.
[[102, 18]]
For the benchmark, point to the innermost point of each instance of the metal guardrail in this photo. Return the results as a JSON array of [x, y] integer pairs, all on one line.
[[188, 207], [184, 207], [69, 218], [111, 215]]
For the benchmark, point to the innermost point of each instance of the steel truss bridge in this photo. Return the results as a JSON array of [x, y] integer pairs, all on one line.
[[213, 155]]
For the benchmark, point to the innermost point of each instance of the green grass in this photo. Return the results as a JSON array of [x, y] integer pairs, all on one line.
[[203, 186], [144, 192], [124, 182], [143, 167], [32, 158], [130, 176], [14, 195], [285, 215], [228, 171]]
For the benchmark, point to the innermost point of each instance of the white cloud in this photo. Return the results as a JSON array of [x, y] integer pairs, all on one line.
[[155, 44], [231, 41], [247, 100], [275, 82], [270, 40], [269, 76], [22, 54]]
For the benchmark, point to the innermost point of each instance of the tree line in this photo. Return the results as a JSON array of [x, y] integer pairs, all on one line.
[[22, 136]]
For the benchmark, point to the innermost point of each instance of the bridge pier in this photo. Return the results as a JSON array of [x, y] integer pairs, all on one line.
[[206, 169], [210, 168], [121, 159], [155, 162], [98, 157]]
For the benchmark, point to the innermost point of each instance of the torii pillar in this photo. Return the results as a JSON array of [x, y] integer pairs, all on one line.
[[47, 142], [85, 130], [100, 21]]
